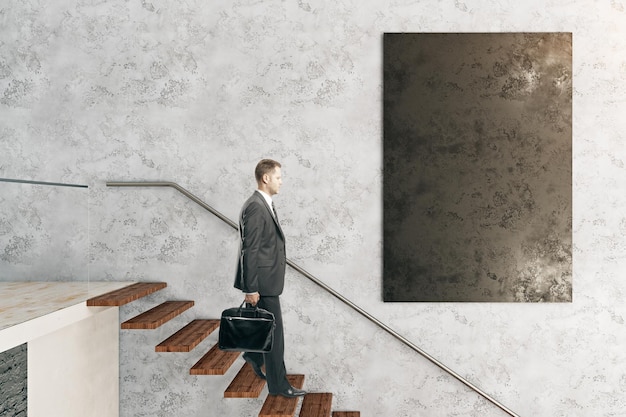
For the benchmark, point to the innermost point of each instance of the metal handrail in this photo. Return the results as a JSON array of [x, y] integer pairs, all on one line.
[[324, 286], [54, 184]]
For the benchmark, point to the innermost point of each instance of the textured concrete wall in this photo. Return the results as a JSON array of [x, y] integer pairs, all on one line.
[[196, 92], [14, 382]]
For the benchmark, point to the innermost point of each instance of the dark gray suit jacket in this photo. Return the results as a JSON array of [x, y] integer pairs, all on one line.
[[262, 257]]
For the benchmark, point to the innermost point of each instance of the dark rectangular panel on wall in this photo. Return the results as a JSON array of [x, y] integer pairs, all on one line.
[[477, 163]]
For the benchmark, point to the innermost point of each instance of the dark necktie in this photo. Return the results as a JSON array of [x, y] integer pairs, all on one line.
[[274, 210]]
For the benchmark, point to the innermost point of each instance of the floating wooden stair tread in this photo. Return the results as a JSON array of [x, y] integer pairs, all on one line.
[[316, 405], [157, 316], [346, 414], [279, 406], [126, 295], [214, 362], [188, 337], [245, 385]]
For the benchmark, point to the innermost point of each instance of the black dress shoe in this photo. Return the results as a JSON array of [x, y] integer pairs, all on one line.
[[255, 367], [291, 392]]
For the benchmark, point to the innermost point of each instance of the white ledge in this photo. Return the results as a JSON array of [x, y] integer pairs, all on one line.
[[29, 310]]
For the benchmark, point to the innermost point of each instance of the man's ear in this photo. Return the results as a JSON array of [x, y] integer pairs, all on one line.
[[265, 179]]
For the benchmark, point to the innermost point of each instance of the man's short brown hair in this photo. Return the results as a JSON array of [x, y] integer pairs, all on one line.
[[265, 166]]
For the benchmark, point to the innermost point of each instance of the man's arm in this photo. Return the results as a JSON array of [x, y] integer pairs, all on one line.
[[251, 231]]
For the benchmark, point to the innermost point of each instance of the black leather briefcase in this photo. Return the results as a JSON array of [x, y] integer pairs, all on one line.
[[246, 329]]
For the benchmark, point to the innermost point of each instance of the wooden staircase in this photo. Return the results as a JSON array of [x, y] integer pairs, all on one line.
[[215, 362]]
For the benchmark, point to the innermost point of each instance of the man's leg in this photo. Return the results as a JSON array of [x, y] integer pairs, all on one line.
[[274, 361], [256, 361]]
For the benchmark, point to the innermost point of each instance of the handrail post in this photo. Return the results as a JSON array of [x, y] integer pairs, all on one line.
[[333, 292]]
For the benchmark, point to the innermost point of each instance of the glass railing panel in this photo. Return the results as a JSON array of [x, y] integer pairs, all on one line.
[[44, 231]]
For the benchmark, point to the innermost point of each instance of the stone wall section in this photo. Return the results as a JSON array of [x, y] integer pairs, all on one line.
[[13, 382]]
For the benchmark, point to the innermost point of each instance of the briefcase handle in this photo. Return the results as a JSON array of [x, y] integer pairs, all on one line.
[[250, 308]]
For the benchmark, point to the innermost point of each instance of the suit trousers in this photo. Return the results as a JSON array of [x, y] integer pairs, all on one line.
[[274, 360]]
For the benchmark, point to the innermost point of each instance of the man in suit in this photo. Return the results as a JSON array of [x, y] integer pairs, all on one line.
[[261, 271]]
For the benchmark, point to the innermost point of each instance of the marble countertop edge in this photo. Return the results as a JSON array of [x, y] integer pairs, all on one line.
[[31, 309]]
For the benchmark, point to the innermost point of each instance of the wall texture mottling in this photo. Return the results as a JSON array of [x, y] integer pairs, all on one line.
[[196, 92]]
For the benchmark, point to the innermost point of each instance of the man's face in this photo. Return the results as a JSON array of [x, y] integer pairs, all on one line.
[[274, 181]]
